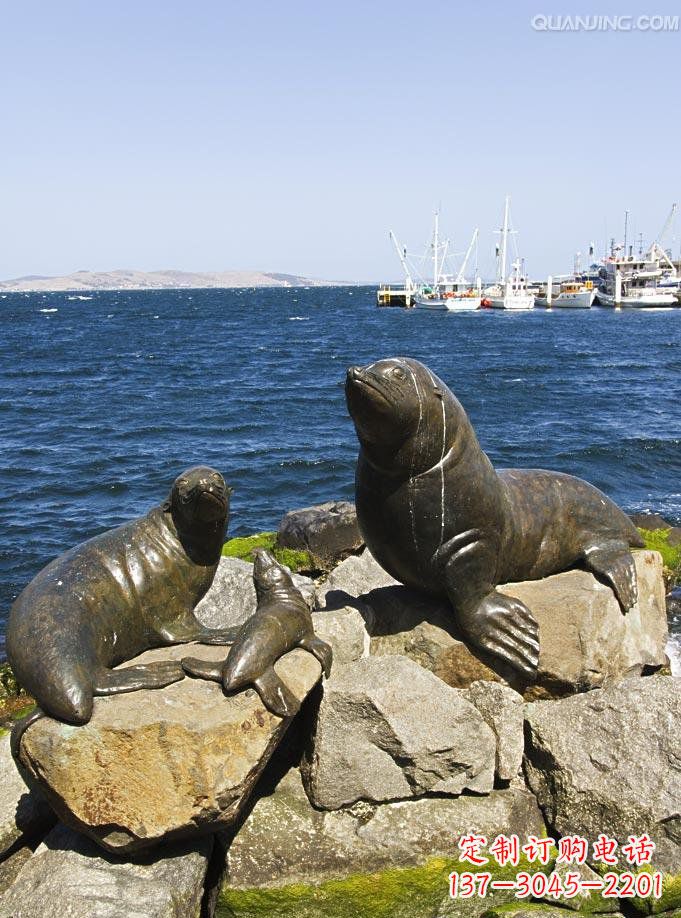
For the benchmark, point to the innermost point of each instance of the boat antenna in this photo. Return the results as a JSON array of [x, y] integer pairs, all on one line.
[[626, 225]]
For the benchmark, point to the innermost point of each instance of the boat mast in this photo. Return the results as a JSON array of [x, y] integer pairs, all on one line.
[[436, 245], [460, 277], [504, 237]]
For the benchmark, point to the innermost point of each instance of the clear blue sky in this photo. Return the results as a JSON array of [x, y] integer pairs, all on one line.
[[290, 136]]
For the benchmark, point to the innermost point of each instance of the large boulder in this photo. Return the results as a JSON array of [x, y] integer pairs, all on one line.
[[388, 729], [328, 532], [156, 765], [69, 877], [24, 812], [231, 598], [585, 639], [285, 840], [610, 762]]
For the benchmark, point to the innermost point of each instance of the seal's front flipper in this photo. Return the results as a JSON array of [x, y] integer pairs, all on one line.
[[276, 696], [504, 627], [202, 669], [134, 678], [615, 563], [319, 649]]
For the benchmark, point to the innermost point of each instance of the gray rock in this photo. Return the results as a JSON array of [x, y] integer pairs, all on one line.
[[589, 901], [170, 763], [610, 761], [344, 630], [231, 598], [389, 729], [584, 637], [69, 877], [24, 812], [502, 710], [285, 840], [357, 575], [329, 532]]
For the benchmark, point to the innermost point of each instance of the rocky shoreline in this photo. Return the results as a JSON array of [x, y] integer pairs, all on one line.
[[184, 802]]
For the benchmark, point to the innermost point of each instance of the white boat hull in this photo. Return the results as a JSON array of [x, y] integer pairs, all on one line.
[[582, 300], [638, 301], [448, 304], [512, 301]]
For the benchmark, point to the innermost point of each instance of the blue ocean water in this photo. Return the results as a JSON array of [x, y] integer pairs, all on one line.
[[106, 399]]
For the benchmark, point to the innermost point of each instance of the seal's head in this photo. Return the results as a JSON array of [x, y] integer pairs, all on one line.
[[403, 414], [269, 577], [199, 501]]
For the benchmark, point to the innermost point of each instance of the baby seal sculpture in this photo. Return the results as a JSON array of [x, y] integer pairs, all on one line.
[[281, 622], [124, 591], [436, 515]]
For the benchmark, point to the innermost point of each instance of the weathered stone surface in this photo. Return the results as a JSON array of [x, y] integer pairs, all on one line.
[[538, 911], [610, 761], [285, 840], [344, 630], [389, 729], [584, 637], [231, 598], [589, 901], [150, 765], [404, 622], [502, 710], [24, 812], [329, 532], [357, 575], [69, 877]]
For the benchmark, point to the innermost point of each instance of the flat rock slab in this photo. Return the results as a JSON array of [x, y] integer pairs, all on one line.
[[231, 600], [388, 729], [354, 577], [24, 812], [610, 761], [171, 763], [70, 877], [285, 840]]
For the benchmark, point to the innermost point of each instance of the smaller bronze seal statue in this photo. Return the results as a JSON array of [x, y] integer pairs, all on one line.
[[121, 593], [281, 622], [436, 515]]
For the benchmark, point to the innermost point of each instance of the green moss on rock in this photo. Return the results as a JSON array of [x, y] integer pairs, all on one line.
[[9, 687], [243, 546], [669, 901], [405, 892], [658, 540]]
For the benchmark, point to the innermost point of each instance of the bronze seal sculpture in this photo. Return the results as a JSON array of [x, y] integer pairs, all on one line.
[[109, 599], [436, 515], [281, 622]]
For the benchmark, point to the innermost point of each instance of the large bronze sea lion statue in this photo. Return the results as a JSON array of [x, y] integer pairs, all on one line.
[[438, 518], [281, 622], [124, 591]]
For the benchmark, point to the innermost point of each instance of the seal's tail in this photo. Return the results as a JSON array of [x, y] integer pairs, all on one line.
[[18, 730]]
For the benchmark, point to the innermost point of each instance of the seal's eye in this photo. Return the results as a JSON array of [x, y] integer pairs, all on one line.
[[398, 373]]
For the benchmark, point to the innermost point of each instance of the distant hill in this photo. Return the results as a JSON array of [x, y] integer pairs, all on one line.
[[162, 280]]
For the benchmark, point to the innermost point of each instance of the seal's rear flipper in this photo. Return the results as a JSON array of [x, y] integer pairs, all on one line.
[[276, 696], [202, 669], [615, 563], [134, 678], [319, 649]]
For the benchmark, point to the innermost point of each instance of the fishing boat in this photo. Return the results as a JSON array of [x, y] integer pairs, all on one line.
[[448, 292], [509, 292], [638, 281], [571, 294]]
